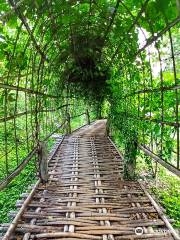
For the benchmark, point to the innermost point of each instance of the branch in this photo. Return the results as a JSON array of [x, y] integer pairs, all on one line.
[[154, 38], [112, 19], [24, 21], [131, 27], [21, 89], [5, 119]]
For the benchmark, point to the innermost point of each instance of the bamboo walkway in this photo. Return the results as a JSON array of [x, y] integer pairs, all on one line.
[[86, 198]]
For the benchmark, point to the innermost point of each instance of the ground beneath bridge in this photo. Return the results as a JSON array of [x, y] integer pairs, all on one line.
[[86, 198]]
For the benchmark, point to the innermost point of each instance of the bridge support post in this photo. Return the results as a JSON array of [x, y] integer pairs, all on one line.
[[88, 117], [107, 127], [130, 157], [43, 162], [68, 131], [98, 112]]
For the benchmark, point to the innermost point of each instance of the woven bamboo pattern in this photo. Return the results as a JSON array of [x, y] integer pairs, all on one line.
[[86, 197]]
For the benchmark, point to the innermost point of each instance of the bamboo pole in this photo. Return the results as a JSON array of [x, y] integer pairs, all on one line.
[[14, 223], [159, 160], [22, 165], [68, 123], [43, 162], [160, 213], [88, 117]]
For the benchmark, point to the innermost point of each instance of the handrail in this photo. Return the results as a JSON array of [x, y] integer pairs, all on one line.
[[48, 136], [84, 113], [16, 172], [27, 90], [160, 212], [5, 182], [26, 160], [156, 158], [26, 202], [8, 118], [78, 115]]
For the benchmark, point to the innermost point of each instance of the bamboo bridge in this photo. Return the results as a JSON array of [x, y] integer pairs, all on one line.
[[86, 197], [112, 69]]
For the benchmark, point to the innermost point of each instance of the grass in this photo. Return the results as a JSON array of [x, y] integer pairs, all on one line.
[[13, 191], [11, 194], [165, 187], [167, 191]]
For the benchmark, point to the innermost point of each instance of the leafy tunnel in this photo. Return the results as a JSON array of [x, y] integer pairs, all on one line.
[[118, 58]]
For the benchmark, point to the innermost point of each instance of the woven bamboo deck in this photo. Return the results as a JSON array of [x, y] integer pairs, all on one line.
[[86, 198]]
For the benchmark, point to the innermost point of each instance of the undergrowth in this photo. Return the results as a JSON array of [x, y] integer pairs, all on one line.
[[167, 191], [11, 194], [165, 187]]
